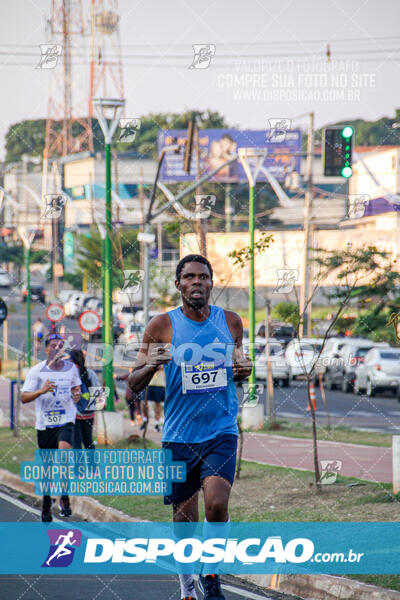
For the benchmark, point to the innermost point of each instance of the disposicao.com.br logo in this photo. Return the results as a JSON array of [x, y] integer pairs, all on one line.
[[62, 547]]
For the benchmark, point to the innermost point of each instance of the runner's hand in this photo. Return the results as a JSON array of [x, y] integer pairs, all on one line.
[[159, 355], [76, 393], [242, 367], [49, 386]]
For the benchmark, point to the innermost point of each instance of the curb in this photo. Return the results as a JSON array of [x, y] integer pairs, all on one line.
[[308, 587], [322, 587], [87, 508]]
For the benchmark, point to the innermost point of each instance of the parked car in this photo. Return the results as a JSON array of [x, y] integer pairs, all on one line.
[[280, 331], [330, 353], [302, 354], [380, 371], [6, 280], [38, 293], [279, 365], [63, 296], [133, 332], [341, 372], [72, 304]]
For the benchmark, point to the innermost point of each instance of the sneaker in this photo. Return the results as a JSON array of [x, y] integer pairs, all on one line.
[[144, 424], [138, 420], [65, 507], [157, 427], [210, 585], [47, 517]]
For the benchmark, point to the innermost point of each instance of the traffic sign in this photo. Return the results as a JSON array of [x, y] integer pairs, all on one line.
[[89, 321], [55, 312], [3, 311]]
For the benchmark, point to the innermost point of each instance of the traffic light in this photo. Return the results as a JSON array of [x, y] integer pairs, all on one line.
[[337, 151]]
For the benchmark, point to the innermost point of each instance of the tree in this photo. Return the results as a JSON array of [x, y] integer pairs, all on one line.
[[287, 312], [125, 255], [28, 137]]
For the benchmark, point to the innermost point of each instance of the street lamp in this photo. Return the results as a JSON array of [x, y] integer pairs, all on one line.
[[108, 111], [27, 239], [252, 160]]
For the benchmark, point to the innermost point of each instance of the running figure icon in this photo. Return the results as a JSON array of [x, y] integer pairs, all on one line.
[[62, 549]]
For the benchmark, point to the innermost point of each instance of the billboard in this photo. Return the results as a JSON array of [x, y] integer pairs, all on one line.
[[217, 144]]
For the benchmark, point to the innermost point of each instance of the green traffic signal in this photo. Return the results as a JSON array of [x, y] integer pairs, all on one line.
[[347, 172], [347, 131]]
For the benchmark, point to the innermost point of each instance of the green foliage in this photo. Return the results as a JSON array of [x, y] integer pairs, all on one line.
[[375, 133], [125, 255], [161, 282], [287, 312], [242, 257], [28, 137], [74, 279]]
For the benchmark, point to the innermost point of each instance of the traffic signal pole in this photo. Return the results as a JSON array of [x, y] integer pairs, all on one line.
[[305, 297]]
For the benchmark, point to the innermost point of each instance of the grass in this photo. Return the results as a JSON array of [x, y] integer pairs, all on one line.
[[389, 582], [335, 434], [263, 493]]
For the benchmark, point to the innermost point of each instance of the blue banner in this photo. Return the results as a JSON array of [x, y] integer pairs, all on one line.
[[146, 548], [103, 472], [217, 144]]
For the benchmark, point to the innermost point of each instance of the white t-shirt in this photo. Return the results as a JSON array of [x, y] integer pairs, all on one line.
[[54, 408]]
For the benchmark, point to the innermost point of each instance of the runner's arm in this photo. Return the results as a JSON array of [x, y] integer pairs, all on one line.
[[242, 365], [30, 396], [151, 354]]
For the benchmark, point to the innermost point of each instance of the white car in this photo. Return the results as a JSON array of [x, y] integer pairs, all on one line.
[[73, 303], [380, 371], [279, 366], [301, 355], [133, 332]]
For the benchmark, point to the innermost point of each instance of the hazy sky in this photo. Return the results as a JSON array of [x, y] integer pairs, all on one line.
[[269, 59]]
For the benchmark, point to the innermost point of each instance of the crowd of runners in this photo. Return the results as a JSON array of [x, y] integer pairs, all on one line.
[[200, 412]]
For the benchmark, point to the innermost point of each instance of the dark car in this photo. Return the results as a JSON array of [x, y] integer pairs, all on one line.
[[38, 293]]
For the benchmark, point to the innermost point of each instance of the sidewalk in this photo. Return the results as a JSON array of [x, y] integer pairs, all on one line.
[[372, 463]]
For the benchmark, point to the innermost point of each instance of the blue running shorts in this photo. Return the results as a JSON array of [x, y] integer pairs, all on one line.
[[212, 457]]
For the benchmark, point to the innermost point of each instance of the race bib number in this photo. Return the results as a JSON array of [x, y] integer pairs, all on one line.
[[55, 417], [204, 377]]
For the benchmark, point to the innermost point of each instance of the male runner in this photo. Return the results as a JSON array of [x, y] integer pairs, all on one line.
[[55, 386], [201, 405]]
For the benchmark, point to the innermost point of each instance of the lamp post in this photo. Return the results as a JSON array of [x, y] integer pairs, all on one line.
[[27, 239], [252, 160], [108, 111]]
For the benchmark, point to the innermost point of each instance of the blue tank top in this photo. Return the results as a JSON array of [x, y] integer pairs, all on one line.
[[201, 400]]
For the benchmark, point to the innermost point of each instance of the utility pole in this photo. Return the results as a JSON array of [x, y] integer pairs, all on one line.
[[201, 223], [270, 381], [228, 228], [305, 300]]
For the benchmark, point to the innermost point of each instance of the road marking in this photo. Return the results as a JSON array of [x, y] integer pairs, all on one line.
[[241, 592], [24, 506]]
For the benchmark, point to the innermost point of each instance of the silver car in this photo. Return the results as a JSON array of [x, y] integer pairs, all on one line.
[[279, 365], [380, 371]]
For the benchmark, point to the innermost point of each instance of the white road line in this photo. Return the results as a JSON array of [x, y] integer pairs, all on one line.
[[24, 506], [244, 593], [241, 592]]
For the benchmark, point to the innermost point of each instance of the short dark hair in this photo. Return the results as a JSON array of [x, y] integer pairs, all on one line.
[[192, 258]]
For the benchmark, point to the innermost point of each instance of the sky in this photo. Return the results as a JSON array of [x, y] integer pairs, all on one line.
[[268, 59]]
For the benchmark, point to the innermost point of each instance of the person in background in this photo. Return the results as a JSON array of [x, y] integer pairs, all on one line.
[[155, 393], [39, 331], [133, 400], [84, 423]]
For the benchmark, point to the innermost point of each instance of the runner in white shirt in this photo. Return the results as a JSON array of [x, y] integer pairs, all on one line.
[[54, 385]]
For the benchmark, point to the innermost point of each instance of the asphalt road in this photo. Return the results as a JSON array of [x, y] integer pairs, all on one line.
[[380, 413], [95, 587]]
